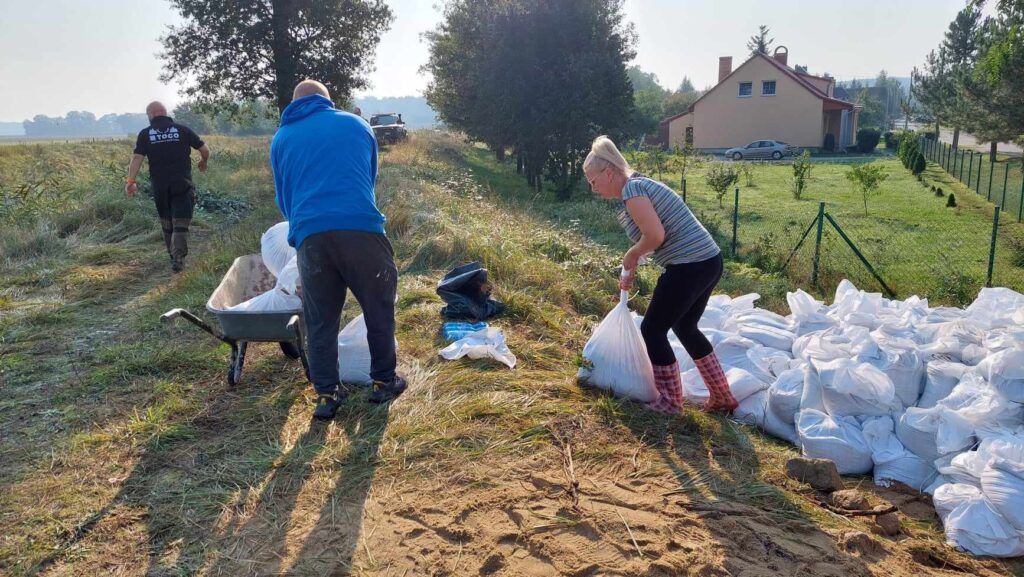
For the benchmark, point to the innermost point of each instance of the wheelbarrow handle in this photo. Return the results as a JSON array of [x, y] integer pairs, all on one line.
[[174, 313]]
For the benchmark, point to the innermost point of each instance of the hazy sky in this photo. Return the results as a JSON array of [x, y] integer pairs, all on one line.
[[101, 55]]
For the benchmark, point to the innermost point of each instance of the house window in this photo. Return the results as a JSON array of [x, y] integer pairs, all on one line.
[[768, 88], [746, 89]]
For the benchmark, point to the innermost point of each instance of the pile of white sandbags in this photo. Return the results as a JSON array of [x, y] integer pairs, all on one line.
[[929, 397]]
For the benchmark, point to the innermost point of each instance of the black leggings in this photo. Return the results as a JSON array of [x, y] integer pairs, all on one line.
[[678, 303]]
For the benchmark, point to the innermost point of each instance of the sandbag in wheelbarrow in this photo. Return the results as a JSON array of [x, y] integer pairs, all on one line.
[[467, 293]]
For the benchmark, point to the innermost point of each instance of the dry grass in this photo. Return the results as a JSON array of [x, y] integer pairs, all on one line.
[[129, 455]]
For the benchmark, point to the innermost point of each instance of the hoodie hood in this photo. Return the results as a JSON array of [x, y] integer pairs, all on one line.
[[161, 122], [303, 107]]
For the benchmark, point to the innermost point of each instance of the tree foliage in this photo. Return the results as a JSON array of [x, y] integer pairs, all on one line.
[[720, 176], [235, 50], [760, 42], [541, 77], [866, 178]]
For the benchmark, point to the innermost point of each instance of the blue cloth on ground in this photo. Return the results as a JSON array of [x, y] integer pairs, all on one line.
[[454, 331]]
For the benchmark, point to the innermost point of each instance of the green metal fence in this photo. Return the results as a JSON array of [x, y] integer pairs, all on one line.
[[947, 260], [999, 180]]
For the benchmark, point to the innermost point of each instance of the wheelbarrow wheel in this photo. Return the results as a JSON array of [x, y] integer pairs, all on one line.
[[290, 350], [237, 361]]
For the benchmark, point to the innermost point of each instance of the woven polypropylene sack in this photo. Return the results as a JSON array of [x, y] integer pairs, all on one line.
[[838, 439], [1002, 482], [617, 357], [274, 248]]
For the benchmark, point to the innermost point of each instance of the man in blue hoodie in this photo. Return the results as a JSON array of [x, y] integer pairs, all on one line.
[[325, 165]]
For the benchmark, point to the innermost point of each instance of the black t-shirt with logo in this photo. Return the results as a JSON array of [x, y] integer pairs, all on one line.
[[168, 146]]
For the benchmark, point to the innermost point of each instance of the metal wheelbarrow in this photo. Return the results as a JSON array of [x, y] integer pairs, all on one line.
[[247, 278]]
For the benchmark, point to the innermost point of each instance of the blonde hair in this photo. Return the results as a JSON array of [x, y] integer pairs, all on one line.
[[604, 153]]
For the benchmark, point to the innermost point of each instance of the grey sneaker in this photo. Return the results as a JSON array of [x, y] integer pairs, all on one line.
[[385, 391]]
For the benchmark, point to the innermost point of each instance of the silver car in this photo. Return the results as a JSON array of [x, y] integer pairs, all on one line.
[[759, 150]]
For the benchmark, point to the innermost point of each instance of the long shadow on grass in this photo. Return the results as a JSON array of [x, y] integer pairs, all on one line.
[[285, 534], [756, 525]]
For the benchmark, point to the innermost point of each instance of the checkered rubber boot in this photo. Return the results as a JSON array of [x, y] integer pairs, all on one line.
[[670, 389], [721, 399]]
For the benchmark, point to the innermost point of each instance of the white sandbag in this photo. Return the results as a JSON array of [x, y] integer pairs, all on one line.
[[938, 482], [946, 348], [274, 248], [770, 362], [735, 306], [1003, 338], [940, 379], [1005, 371], [851, 388], [893, 462], [962, 468], [836, 438], [810, 397], [274, 300], [712, 318], [916, 429], [732, 352], [694, 389], [754, 411], [488, 343], [758, 317], [809, 315], [977, 405], [1002, 482], [966, 331], [825, 346], [906, 371], [288, 279], [354, 353], [996, 307], [949, 496], [785, 393], [617, 357], [973, 354], [975, 526], [743, 384], [768, 336]]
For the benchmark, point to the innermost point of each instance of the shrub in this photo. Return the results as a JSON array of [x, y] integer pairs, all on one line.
[[938, 192], [720, 177], [891, 142], [867, 139], [866, 178], [801, 173], [933, 188], [918, 165], [951, 201]]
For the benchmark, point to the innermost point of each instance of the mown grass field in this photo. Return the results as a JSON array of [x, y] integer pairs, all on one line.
[[125, 453], [915, 243]]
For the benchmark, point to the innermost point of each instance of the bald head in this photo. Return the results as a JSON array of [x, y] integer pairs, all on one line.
[[154, 109], [307, 87]]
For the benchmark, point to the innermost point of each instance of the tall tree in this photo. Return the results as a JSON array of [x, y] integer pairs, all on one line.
[[543, 77], [233, 50], [998, 79], [686, 85], [960, 46], [760, 42]]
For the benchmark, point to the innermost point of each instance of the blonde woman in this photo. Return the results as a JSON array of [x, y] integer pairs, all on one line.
[[659, 222]]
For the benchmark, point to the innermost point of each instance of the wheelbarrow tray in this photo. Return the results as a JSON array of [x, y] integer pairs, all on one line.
[[247, 278]]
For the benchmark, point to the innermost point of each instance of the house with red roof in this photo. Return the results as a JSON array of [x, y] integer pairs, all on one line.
[[765, 99]]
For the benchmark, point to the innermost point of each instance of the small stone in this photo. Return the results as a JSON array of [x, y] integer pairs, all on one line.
[[861, 544], [888, 525], [818, 473], [851, 500]]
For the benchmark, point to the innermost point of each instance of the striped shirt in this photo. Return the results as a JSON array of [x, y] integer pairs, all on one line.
[[686, 239]]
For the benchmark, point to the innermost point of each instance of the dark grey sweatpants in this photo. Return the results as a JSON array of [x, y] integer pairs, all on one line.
[[363, 262]]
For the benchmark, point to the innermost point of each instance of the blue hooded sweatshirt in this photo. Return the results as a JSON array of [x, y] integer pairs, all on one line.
[[325, 165]]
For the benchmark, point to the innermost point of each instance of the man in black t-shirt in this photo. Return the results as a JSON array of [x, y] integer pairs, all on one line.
[[168, 146]]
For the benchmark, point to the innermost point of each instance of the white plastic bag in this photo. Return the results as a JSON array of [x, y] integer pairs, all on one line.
[[836, 438], [851, 388], [354, 353], [1002, 482], [1005, 371], [784, 394], [618, 358], [769, 336], [488, 343], [274, 300], [996, 307], [916, 429], [893, 462], [906, 371], [743, 384], [977, 527], [754, 411], [809, 315], [274, 248], [940, 379], [949, 496]]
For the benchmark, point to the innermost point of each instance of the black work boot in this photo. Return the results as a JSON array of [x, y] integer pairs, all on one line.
[[327, 404], [177, 264], [384, 391]]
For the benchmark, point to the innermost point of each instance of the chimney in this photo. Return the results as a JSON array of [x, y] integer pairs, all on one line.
[[781, 57], [724, 67]]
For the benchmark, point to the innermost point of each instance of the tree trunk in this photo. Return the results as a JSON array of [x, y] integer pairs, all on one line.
[[992, 151], [499, 153], [956, 138], [281, 45], [519, 163]]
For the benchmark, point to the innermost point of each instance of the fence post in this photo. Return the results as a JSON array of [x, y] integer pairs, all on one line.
[[1005, 175], [735, 220], [960, 173], [970, 169], [684, 190], [1020, 211], [991, 169], [817, 243], [992, 248], [977, 180]]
